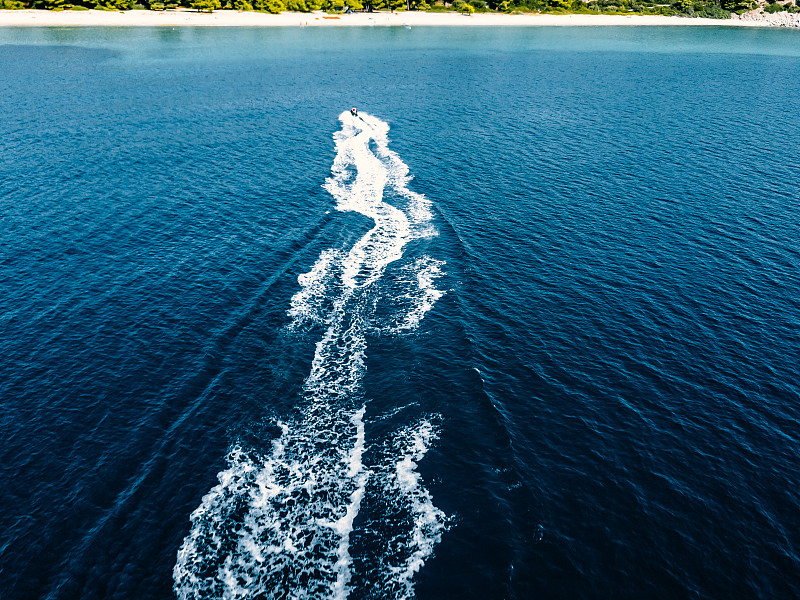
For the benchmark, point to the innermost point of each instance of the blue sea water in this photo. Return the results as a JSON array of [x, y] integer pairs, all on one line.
[[527, 328]]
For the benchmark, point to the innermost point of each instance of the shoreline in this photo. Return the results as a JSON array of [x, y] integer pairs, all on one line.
[[230, 18]]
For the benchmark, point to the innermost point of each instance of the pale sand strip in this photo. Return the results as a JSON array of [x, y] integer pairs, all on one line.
[[229, 18]]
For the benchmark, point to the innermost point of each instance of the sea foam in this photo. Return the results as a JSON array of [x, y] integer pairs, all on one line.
[[279, 524]]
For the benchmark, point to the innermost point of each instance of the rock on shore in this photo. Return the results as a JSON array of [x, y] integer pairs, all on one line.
[[780, 19]]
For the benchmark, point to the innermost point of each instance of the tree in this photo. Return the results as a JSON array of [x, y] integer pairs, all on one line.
[[112, 4], [332, 5], [728, 4], [204, 5], [270, 6]]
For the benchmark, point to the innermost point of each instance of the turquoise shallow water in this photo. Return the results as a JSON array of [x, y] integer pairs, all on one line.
[[243, 354]]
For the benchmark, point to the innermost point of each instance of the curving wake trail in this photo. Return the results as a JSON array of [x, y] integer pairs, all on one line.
[[280, 524]]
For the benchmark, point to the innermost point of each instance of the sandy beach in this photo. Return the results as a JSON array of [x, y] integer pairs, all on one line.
[[229, 18]]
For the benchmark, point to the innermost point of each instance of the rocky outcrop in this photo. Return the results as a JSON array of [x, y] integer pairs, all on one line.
[[779, 19]]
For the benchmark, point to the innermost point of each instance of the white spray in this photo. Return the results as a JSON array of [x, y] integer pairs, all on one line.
[[279, 525]]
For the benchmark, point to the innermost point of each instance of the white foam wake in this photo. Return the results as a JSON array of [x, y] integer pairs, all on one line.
[[280, 524]]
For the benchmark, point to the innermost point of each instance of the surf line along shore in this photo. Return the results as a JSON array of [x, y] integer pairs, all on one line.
[[230, 18]]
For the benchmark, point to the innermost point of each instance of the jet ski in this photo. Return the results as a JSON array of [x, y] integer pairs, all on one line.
[[354, 112]]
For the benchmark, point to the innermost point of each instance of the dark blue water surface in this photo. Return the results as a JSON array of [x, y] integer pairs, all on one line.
[[612, 369]]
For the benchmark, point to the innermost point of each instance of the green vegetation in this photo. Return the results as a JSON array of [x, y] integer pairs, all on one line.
[[268, 6], [687, 8], [204, 5], [715, 9], [773, 7]]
